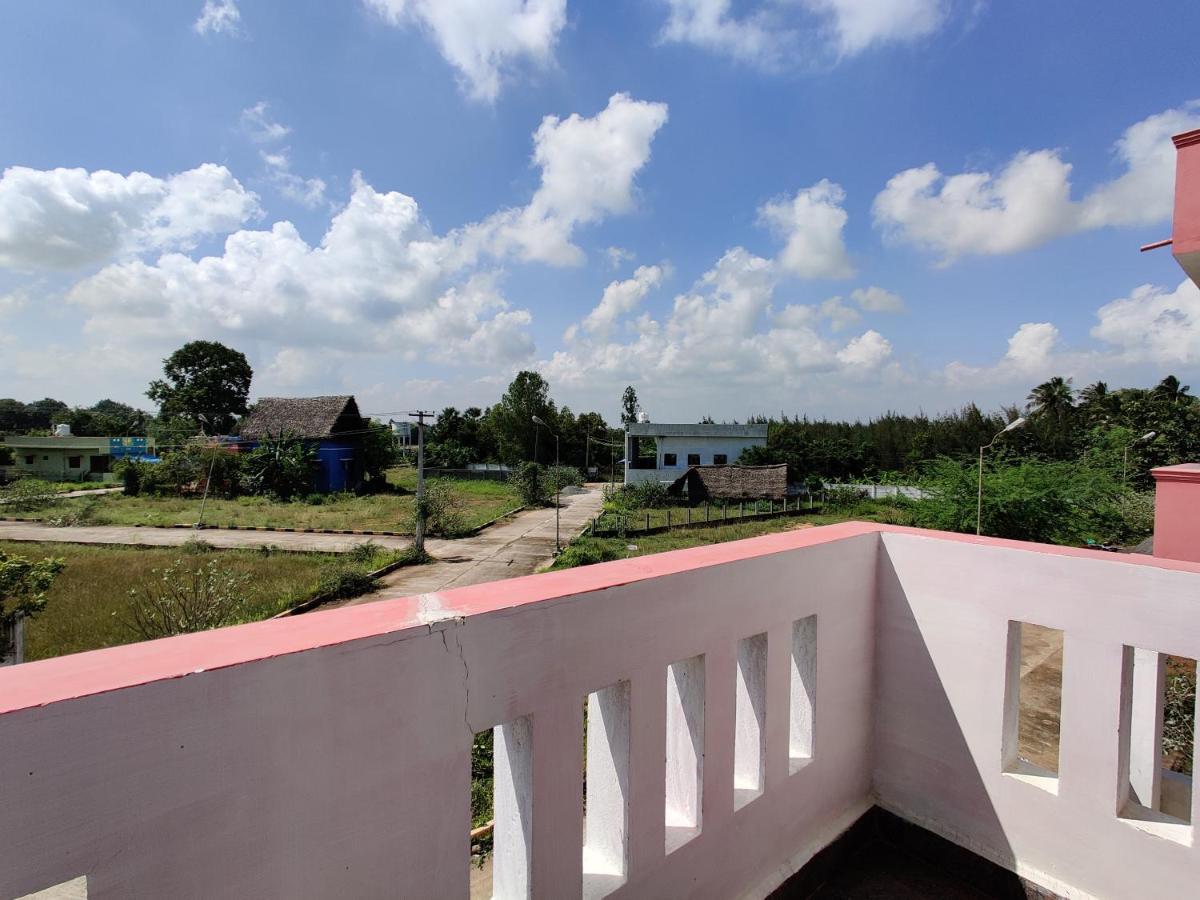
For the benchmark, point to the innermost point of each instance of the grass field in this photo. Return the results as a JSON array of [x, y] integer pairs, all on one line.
[[88, 604], [587, 550], [477, 501]]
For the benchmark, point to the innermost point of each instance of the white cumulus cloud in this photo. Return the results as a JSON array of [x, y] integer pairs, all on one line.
[[483, 39], [811, 223], [1153, 324], [1028, 201], [69, 218], [621, 298], [876, 299]]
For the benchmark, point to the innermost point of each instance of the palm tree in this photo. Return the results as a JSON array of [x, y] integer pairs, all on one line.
[[1171, 390], [1054, 397], [1098, 402]]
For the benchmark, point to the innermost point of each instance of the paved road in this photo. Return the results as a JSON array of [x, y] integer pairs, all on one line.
[[518, 546]]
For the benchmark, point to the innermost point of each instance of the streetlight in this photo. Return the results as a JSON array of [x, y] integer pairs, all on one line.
[[1011, 426], [537, 421], [1148, 436]]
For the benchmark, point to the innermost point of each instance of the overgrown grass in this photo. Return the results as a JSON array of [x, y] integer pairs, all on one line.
[[477, 502], [588, 550], [88, 605]]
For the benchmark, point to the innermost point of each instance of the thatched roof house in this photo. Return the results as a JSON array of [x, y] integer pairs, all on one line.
[[301, 417], [732, 483]]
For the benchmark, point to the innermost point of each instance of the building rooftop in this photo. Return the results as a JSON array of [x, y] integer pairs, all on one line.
[[660, 429], [307, 417]]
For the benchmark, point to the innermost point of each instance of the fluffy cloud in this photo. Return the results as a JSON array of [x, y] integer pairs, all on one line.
[[1031, 355], [483, 39], [619, 255], [621, 298], [1028, 202], [588, 170], [68, 218], [876, 299], [838, 314], [769, 31], [1153, 325], [379, 280], [857, 25], [219, 17], [811, 223], [721, 337]]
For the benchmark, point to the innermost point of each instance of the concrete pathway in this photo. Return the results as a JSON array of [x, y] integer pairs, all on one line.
[[518, 546], [173, 537]]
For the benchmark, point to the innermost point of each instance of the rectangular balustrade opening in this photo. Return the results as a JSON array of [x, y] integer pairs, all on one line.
[[1158, 712], [502, 811], [1033, 704], [685, 751], [749, 749], [803, 692], [606, 791]]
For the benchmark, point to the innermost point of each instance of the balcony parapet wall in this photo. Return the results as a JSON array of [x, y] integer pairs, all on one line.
[[329, 754]]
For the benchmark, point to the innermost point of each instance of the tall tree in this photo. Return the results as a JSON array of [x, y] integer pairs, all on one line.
[[1171, 390], [206, 385], [629, 406], [511, 419]]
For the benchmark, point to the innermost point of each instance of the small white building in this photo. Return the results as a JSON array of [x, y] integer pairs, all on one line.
[[678, 447]]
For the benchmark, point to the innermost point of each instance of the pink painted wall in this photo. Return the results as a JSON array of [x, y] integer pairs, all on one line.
[[328, 755], [943, 617], [1177, 510], [241, 763], [1186, 234], [1186, 229]]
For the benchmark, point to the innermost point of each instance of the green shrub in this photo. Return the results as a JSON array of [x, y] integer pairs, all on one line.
[[342, 582], [652, 494], [187, 596], [585, 554], [28, 495], [529, 483], [843, 497], [280, 468]]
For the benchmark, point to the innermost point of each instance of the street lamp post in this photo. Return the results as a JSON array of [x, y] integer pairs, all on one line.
[[1148, 436], [1011, 426], [557, 542]]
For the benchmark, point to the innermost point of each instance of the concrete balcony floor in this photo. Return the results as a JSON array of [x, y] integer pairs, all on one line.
[[882, 857]]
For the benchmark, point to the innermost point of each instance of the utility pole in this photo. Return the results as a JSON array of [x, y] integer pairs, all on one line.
[[419, 530]]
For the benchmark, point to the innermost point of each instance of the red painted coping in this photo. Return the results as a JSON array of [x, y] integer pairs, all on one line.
[[100, 671]]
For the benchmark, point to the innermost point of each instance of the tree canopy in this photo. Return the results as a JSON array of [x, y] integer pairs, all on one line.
[[205, 386]]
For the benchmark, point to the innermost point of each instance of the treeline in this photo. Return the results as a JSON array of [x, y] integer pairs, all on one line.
[[506, 432], [106, 418], [1094, 425]]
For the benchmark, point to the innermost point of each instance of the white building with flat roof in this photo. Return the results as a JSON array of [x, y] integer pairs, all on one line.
[[677, 447]]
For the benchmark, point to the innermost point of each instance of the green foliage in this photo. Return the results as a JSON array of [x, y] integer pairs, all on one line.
[[587, 553], [1179, 717], [6, 455], [482, 779], [186, 596], [281, 468], [1029, 500], [27, 495], [23, 585], [559, 477], [342, 582], [184, 472], [443, 517], [629, 406], [379, 452], [449, 454], [527, 479], [842, 497], [650, 494], [511, 419], [206, 384]]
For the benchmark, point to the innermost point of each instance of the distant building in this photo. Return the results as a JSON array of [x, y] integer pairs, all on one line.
[[67, 458], [704, 483], [680, 447], [333, 425]]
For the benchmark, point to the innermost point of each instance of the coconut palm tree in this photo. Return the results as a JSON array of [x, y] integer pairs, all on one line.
[[1171, 390], [1054, 397]]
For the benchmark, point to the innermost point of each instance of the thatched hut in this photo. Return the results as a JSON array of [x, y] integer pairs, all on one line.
[[701, 483]]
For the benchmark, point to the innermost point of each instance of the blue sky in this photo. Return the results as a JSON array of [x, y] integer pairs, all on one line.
[[833, 207]]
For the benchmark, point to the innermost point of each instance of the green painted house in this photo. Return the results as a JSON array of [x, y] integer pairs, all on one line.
[[69, 458]]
